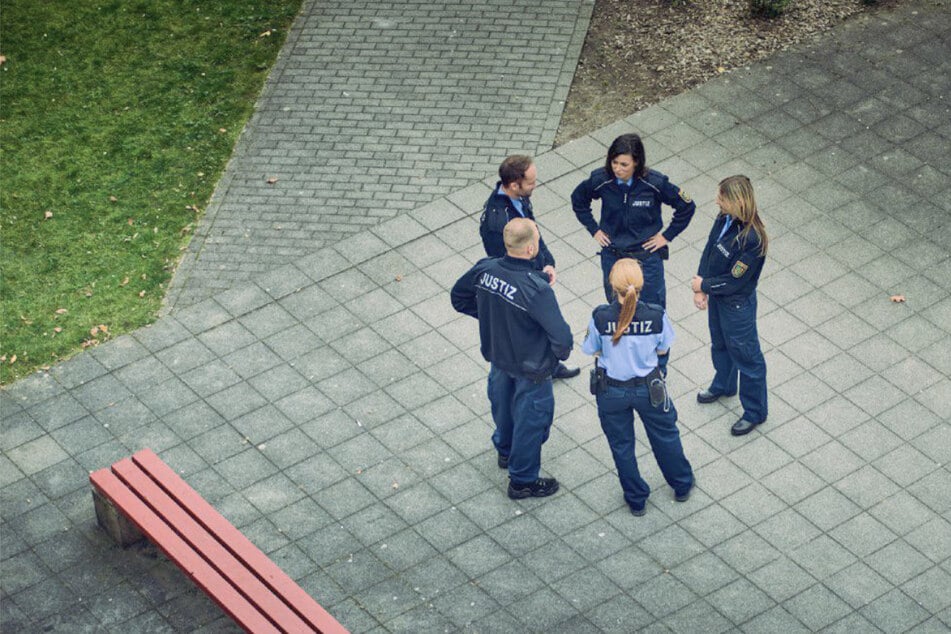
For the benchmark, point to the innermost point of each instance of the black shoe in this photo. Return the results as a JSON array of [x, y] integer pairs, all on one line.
[[503, 462], [638, 512], [564, 372], [706, 396], [683, 497], [743, 427], [540, 488]]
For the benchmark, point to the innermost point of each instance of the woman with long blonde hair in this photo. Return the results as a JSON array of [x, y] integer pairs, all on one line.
[[725, 283], [632, 340]]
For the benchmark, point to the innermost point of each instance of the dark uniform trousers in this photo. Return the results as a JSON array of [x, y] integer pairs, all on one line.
[[616, 407], [735, 350], [532, 404], [655, 288]]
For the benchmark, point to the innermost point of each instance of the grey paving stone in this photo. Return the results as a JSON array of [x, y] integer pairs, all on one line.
[[901, 512], [81, 435], [620, 614], [898, 562], [792, 483], [781, 579], [817, 607], [776, 619], [822, 557], [858, 584], [36, 455], [740, 601], [894, 611], [40, 386], [866, 487]]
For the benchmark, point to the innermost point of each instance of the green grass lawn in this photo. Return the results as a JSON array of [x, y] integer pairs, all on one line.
[[116, 121]]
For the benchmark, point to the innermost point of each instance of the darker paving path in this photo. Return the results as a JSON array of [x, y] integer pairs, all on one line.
[[374, 109]]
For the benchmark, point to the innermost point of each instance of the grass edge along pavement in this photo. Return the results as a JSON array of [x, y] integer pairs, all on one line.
[[116, 121]]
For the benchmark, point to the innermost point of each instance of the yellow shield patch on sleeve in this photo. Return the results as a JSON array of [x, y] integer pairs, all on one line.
[[739, 269], [685, 196]]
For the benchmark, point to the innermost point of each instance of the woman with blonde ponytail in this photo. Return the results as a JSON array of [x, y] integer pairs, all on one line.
[[631, 340]]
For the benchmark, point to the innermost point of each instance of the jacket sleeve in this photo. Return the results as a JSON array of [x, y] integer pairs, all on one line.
[[683, 205], [742, 269], [544, 310], [544, 254], [463, 294], [491, 226], [667, 336], [592, 341], [581, 199]]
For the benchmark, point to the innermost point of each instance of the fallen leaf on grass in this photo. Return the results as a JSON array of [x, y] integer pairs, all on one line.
[[222, 130], [3, 60], [57, 330], [47, 215], [141, 293], [113, 199], [13, 359], [125, 280], [61, 311], [193, 208], [266, 33], [898, 299]]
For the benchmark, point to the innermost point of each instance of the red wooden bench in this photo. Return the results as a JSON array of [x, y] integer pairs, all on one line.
[[141, 496]]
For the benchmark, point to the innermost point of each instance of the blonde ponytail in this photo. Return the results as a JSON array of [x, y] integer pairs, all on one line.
[[627, 280]]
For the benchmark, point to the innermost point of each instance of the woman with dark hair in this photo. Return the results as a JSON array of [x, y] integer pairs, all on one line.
[[632, 340], [631, 225], [726, 284]]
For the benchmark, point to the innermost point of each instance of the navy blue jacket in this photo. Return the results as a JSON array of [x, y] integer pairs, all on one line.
[[729, 266], [631, 215], [520, 325], [498, 210]]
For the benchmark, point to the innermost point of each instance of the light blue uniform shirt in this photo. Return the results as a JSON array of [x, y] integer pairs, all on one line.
[[726, 225], [635, 355], [517, 202]]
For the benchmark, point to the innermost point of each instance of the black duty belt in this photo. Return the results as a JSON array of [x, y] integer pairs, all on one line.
[[637, 380], [637, 252]]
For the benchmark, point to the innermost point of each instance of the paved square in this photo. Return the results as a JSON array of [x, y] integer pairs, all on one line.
[[334, 409]]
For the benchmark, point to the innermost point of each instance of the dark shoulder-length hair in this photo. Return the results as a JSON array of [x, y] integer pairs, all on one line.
[[628, 144]]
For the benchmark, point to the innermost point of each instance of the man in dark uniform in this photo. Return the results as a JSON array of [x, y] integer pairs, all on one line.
[[510, 199], [523, 335]]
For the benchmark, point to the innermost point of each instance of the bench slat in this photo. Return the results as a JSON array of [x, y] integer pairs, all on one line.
[[235, 541], [176, 549], [220, 558]]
